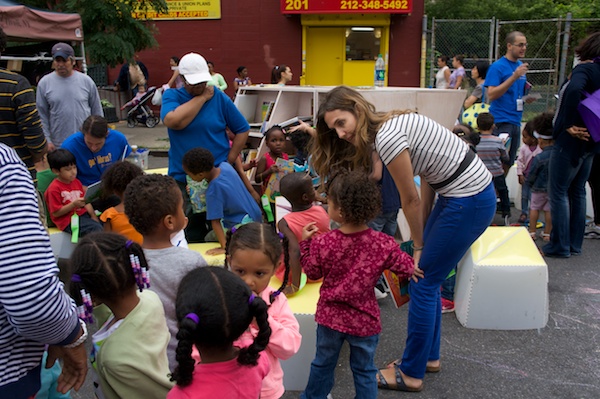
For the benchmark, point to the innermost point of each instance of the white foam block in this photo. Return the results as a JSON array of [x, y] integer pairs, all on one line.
[[502, 282]]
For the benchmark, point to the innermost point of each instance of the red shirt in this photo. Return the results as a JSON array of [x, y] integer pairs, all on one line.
[[59, 194], [350, 265]]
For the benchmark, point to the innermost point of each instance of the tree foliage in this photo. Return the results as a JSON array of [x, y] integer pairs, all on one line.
[[111, 34], [510, 9]]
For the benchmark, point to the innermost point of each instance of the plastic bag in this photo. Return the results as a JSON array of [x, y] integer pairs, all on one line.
[[157, 97]]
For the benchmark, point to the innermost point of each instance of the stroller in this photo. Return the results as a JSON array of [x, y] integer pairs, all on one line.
[[141, 113]]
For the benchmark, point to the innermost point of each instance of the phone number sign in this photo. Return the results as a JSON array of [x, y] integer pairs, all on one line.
[[346, 6]]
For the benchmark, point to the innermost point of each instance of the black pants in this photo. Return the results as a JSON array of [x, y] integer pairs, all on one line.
[[86, 226], [500, 185]]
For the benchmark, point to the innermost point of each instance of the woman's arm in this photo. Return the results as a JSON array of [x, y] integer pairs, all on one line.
[[402, 173], [377, 167], [447, 74], [458, 83], [222, 82], [171, 82], [469, 101]]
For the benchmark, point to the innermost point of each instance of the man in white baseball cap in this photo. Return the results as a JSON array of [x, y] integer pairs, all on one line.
[[198, 115], [65, 98]]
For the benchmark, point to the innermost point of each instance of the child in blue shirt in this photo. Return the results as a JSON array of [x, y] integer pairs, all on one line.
[[227, 199]]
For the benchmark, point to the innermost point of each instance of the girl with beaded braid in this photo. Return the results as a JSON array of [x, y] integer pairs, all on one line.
[[350, 260], [129, 354], [253, 252], [214, 307]]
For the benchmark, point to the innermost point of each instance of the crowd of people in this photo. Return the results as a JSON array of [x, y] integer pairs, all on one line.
[[169, 326]]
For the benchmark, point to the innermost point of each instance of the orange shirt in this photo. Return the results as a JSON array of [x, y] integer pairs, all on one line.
[[119, 223]]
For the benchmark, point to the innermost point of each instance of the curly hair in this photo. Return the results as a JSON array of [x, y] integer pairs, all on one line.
[[357, 197], [328, 151], [101, 260], [148, 199], [223, 307], [198, 160], [116, 178], [261, 237], [542, 124]]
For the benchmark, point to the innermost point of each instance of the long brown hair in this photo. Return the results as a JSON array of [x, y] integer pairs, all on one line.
[[328, 151]]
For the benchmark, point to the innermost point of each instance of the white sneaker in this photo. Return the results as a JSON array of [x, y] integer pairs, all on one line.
[[592, 231], [329, 396], [380, 294]]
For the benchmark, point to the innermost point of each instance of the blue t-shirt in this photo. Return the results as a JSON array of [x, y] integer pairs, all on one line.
[[91, 166], [227, 198], [504, 109], [390, 198], [206, 130]]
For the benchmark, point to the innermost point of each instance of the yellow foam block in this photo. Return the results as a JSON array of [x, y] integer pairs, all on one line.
[[159, 171], [502, 282], [212, 260], [304, 301]]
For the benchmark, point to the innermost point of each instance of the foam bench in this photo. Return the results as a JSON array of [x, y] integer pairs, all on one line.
[[502, 282]]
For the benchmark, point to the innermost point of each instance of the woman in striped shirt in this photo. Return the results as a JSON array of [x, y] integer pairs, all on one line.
[[410, 144]]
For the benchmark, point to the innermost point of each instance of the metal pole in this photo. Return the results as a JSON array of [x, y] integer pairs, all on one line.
[[83, 63], [432, 56], [491, 51], [423, 50], [565, 51], [496, 40]]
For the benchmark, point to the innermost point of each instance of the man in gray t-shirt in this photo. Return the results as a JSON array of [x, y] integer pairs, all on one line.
[[65, 98]]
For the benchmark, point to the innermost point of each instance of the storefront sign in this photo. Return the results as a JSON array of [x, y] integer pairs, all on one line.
[[188, 9], [346, 6]]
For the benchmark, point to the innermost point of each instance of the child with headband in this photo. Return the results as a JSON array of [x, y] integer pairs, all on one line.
[[350, 260], [214, 308], [254, 252], [129, 354]]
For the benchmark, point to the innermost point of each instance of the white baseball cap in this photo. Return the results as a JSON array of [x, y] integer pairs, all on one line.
[[194, 69]]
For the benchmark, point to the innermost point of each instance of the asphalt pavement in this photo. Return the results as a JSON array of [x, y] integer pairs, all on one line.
[[561, 360]]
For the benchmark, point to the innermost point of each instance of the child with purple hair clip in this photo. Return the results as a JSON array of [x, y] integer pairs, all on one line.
[[129, 354]]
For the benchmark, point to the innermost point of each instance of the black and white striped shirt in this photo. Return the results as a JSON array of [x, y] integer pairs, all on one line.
[[34, 309], [435, 153]]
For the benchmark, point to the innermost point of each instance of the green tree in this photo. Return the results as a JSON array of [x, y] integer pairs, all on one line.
[[111, 34]]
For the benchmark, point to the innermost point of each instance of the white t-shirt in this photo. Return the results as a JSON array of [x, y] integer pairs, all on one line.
[[440, 79], [435, 153]]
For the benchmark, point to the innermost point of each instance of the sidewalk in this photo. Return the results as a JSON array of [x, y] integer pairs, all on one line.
[[156, 139]]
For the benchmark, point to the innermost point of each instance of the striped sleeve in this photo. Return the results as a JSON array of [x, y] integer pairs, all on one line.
[[435, 153], [27, 117], [33, 303]]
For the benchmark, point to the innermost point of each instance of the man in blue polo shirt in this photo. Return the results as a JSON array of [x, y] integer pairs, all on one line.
[[506, 84]]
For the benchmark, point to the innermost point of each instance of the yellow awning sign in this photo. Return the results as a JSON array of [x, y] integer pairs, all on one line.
[[201, 9]]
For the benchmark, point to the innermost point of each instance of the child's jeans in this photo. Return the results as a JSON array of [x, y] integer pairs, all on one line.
[[525, 198], [448, 286], [322, 369]]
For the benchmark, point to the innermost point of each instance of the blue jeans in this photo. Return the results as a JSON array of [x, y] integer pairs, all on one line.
[[386, 223], [525, 197], [514, 132], [322, 369], [567, 202], [454, 224]]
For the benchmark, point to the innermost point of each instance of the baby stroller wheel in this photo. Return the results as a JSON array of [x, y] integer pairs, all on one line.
[[151, 121], [131, 121]]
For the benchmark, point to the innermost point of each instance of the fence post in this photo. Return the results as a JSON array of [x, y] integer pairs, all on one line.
[[565, 51], [497, 38], [433, 58], [492, 37], [423, 50]]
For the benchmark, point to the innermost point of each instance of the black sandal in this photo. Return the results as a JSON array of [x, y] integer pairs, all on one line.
[[400, 384]]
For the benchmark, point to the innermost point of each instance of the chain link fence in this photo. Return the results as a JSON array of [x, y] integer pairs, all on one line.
[[550, 49]]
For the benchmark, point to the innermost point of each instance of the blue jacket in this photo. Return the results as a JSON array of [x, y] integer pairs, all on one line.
[[538, 174]]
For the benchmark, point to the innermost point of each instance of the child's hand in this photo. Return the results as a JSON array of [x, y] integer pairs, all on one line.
[[290, 290], [417, 274], [309, 230], [216, 251], [79, 203], [521, 179], [274, 168], [253, 163]]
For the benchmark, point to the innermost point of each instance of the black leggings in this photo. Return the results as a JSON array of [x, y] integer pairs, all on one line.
[[594, 181]]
